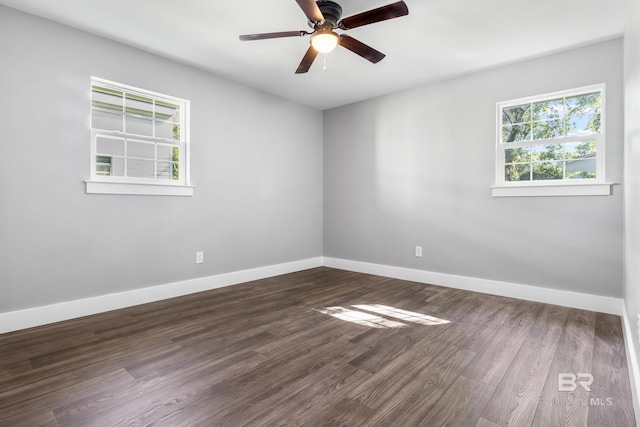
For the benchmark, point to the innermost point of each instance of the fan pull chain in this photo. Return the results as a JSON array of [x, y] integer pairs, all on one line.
[[324, 62]]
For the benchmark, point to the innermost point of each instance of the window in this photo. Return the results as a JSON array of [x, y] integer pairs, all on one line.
[[552, 144], [139, 142]]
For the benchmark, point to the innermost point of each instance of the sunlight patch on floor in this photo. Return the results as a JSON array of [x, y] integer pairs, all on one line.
[[366, 318], [361, 318], [404, 315]]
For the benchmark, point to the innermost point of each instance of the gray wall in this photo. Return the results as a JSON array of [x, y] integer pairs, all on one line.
[[415, 169], [256, 164], [632, 168], [393, 178]]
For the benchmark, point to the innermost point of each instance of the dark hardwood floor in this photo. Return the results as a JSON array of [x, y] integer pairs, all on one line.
[[321, 347]]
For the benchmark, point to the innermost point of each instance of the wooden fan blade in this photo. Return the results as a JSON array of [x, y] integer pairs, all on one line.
[[311, 10], [383, 13], [307, 60], [249, 37], [359, 48]]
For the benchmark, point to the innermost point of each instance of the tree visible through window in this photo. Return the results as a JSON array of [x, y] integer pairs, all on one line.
[[552, 138]]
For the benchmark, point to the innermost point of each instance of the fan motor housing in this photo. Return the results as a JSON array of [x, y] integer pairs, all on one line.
[[331, 11]]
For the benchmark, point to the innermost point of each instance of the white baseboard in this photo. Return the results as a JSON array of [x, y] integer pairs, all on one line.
[[632, 362], [38, 316], [578, 300]]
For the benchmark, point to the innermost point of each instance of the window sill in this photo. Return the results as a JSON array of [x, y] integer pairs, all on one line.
[[592, 189], [102, 187]]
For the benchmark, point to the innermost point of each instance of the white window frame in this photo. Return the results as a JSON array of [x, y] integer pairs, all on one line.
[[101, 184], [564, 187]]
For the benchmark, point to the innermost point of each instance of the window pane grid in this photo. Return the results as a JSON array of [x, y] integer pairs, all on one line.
[[165, 160], [551, 139], [150, 130], [551, 119], [127, 107], [573, 160]]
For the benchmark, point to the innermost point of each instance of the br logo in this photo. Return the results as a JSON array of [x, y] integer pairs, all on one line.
[[569, 382]]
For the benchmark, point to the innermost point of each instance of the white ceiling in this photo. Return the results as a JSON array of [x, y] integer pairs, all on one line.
[[438, 39]]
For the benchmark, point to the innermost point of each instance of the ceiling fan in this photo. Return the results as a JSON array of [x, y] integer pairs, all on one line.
[[325, 17]]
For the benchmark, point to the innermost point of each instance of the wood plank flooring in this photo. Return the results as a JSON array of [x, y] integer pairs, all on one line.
[[320, 347]]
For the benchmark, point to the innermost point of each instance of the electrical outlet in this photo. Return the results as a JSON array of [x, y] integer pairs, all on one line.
[[199, 257], [418, 251]]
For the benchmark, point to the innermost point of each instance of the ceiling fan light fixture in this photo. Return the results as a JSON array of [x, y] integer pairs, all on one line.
[[325, 16], [324, 42]]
